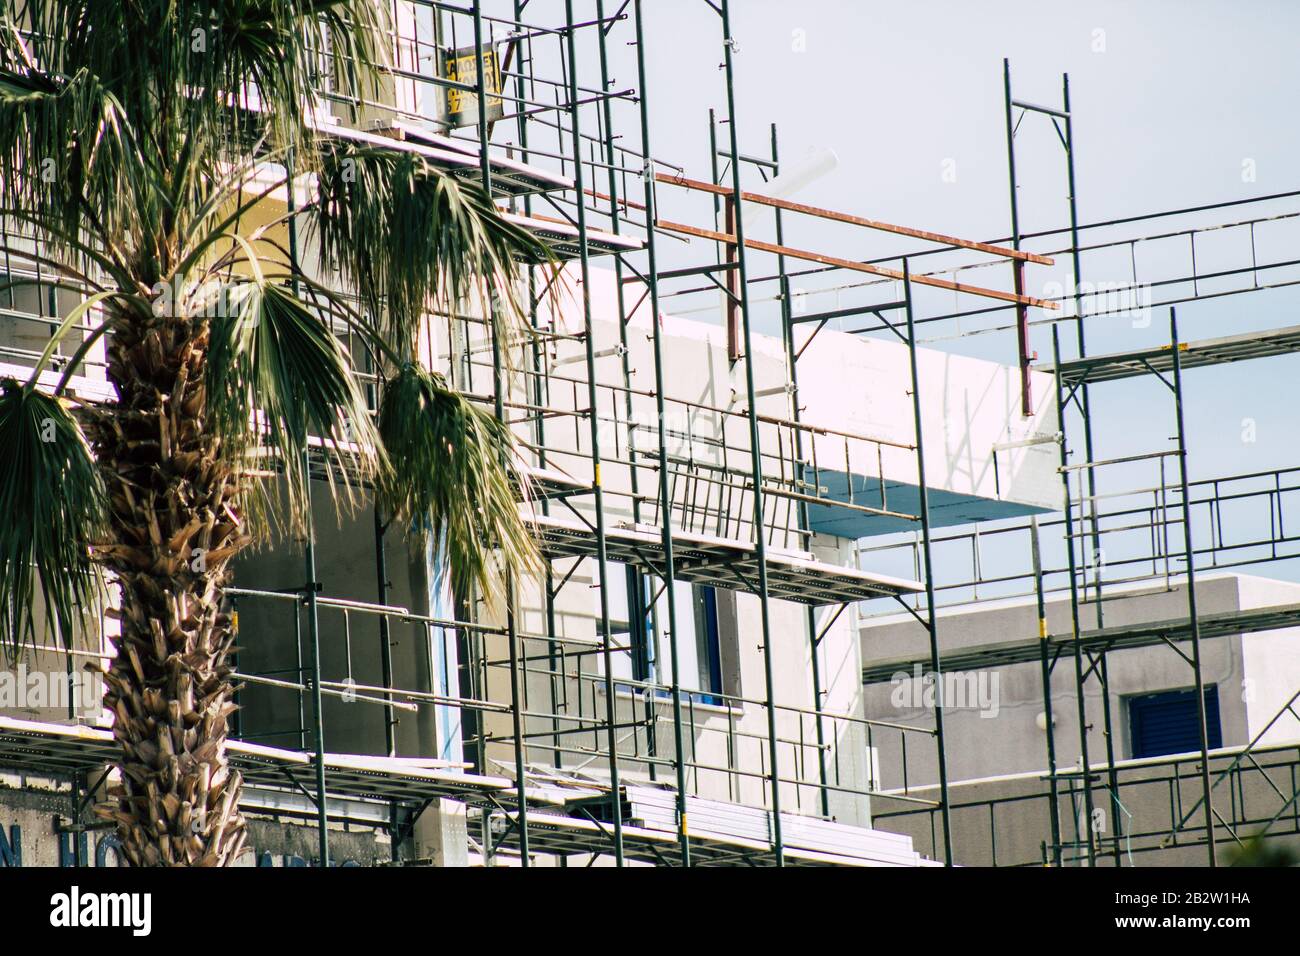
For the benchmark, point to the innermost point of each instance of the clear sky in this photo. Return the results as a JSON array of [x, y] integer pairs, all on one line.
[[1175, 104]]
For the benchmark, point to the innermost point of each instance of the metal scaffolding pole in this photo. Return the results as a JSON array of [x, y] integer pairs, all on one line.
[[1046, 665], [1017, 265], [318, 715], [810, 616], [311, 585], [646, 612], [539, 400], [932, 626], [1194, 620], [756, 461], [498, 389], [1085, 406], [1068, 508], [594, 419], [386, 665], [1063, 123], [665, 499]]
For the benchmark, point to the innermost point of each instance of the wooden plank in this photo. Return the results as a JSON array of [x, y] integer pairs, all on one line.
[[856, 220], [854, 266]]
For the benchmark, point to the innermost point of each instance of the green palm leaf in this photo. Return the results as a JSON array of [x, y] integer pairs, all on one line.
[[452, 476], [412, 238], [277, 375], [54, 505], [65, 145]]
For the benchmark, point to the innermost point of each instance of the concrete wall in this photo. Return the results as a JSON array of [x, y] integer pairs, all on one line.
[[1271, 664], [1252, 683], [969, 407], [273, 632], [1154, 796], [41, 682], [999, 752]]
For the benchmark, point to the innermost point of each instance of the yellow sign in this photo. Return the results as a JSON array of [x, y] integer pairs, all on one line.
[[461, 66]]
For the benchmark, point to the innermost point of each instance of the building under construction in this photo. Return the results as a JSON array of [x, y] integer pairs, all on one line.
[[817, 591]]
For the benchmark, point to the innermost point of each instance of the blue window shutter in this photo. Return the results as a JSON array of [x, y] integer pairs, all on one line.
[[1167, 722]]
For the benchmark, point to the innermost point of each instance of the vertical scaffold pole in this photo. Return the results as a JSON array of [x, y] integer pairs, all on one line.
[[1017, 265], [594, 419], [756, 454], [1191, 588], [553, 657], [1086, 408], [386, 665], [1068, 508], [665, 499], [932, 624], [1046, 665], [615, 220], [792, 362], [498, 391], [311, 586], [647, 614], [385, 637]]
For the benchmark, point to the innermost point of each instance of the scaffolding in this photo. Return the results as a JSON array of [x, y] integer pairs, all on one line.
[[731, 511], [1170, 507]]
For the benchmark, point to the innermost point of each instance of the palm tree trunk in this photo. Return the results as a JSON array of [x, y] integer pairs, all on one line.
[[175, 524]]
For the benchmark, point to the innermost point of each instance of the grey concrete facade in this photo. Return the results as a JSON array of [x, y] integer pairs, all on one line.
[[997, 744]]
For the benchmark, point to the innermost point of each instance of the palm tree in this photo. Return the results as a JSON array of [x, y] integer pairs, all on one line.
[[135, 143]]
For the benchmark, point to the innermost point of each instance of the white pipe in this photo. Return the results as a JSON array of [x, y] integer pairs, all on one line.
[[818, 163]]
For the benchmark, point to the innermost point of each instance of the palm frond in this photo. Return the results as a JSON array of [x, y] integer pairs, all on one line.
[[453, 474], [276, 378], [66, 147], [102, 132], [278, 53], [413, 238], [205, 56], [55, 507]]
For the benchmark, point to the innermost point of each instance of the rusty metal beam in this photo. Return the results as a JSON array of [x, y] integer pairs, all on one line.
[[731, 252], [835, 216], [1022, 344], [853, 266]]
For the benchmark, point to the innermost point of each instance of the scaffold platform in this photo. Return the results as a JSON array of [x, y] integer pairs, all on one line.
[[721, 562], [1217, 351], [1027, 650]]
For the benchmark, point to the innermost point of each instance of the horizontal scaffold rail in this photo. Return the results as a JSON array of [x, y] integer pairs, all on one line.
[[56, 750], [567, 835], [721, 562], [509, 177], [563, 238], [853, 266], [1029, 650], [561, 827], [721, 833], [1218, 351], [836, 216]]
